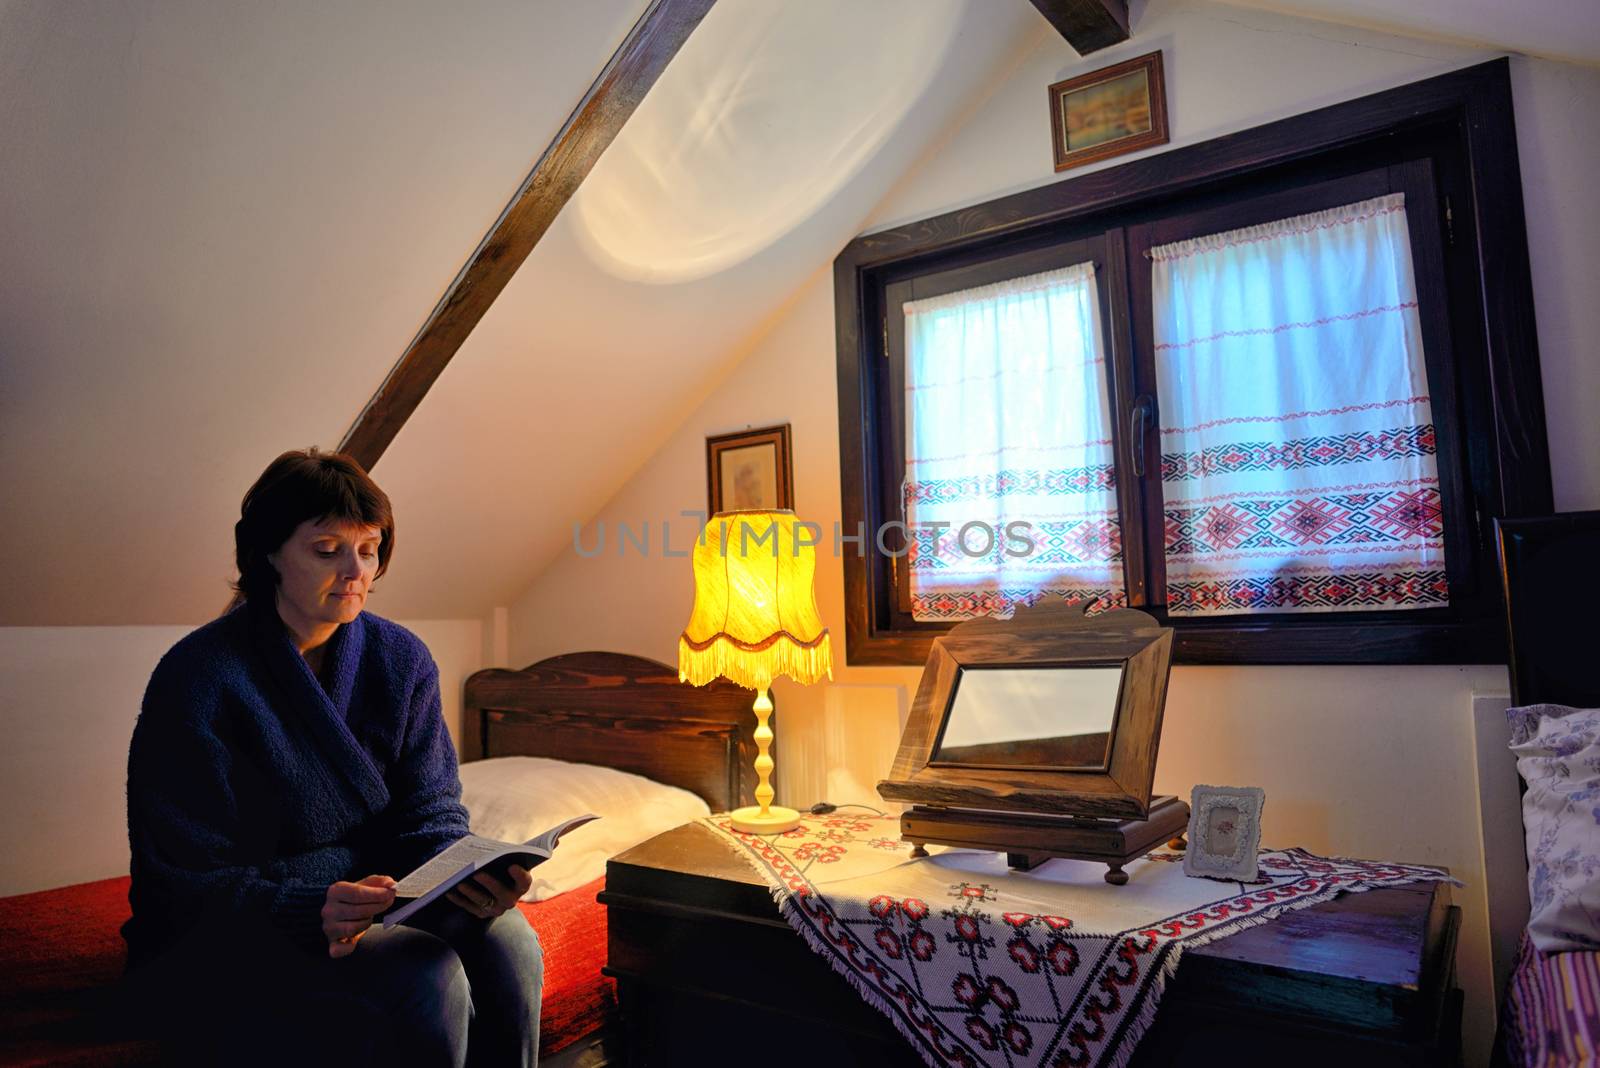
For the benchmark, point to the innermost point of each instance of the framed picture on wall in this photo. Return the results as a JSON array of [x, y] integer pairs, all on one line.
[[750, 469], [1117, 109]]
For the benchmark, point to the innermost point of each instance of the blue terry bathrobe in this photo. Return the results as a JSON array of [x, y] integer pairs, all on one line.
[[251, 789]]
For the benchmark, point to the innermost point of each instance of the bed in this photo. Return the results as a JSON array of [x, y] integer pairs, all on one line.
[[1551, 1011], [61, 951]]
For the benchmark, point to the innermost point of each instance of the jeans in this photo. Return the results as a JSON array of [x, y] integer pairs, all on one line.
[[457, 991]]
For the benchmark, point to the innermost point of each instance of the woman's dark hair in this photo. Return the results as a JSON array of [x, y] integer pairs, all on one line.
[[297, 486]]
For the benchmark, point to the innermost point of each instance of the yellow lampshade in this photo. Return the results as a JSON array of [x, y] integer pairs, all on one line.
[[755, 618], [755, 614]]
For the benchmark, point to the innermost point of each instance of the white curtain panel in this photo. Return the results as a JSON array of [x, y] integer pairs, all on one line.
[[1297, 440], [1008, 421]]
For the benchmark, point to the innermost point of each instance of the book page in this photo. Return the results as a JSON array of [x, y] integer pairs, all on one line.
[[462, 856], [467, 855], [547, 841]]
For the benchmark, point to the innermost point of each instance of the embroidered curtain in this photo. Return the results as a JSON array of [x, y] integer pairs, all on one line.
[[1297, 441], [1008, 422]]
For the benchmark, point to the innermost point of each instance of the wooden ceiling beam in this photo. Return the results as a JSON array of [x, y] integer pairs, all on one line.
[[591, 127], [1088, 25]]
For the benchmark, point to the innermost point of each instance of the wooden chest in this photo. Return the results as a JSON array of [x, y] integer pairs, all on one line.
[[709, 971]]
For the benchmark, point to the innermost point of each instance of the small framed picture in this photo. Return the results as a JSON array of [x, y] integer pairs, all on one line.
[[1224, 832], [1104, 113], [750, 470]]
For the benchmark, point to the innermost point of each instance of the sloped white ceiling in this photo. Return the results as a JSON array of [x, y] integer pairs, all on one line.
[[755, 159], [222, 221], [1555, 29]]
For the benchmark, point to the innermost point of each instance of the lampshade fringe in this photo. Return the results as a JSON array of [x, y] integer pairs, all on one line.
[[754, 669]]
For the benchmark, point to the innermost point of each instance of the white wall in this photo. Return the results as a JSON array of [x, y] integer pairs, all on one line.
[[1374, 761], [68, 700]]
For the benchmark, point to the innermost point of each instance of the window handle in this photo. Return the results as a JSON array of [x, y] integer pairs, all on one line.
[[1139, 421]]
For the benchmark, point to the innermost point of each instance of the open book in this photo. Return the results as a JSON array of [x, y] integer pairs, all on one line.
[[468, 856]]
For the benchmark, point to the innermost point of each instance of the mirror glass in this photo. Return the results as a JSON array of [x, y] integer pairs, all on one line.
[[1057, 717]]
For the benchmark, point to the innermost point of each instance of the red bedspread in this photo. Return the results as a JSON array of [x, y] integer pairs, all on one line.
[[572, 932], [61, 950]]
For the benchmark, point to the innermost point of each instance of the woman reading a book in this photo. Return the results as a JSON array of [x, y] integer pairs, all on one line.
[[290, 763]]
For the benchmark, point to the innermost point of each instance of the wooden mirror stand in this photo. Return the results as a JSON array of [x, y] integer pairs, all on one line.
[[1035, 811]]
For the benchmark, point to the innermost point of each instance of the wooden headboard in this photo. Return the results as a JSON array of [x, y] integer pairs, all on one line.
[[1545, 565], [1544, 562], [626, 712]]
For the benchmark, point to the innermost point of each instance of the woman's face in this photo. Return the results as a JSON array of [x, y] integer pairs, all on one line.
[[325, 569]]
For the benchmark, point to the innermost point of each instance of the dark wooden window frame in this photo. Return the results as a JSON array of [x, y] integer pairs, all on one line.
[[1450, 142]]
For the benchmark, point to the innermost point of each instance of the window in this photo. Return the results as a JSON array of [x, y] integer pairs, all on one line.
[[1010, 482], [1296, 433], [1274, 410]]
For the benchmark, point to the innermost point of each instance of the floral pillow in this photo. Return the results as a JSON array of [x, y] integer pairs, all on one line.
[[1558, 755]]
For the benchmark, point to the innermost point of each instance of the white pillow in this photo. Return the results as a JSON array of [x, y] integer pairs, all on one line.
[[1558, 754], [515, 798]]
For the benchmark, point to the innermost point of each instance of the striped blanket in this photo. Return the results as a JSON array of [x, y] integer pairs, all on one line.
[[1551, 1015]]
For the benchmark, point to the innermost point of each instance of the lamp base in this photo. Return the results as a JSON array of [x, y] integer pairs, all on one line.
[[777, 820]]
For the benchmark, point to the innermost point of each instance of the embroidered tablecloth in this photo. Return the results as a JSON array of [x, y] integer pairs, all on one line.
[[980, 965]]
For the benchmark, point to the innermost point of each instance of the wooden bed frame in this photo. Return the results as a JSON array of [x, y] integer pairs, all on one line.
[[626, 712], [1544, 561]]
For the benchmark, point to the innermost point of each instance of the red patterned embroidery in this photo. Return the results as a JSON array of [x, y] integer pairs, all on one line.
[[1348, 409], [1417, 514], [1313, 522], [1327, 524], [968, 604], [820, 853], [1034, 482], [1094, 540], [1361, 446], [1283, 590], [1065, 1002], [1226, 527], [1262, 331]]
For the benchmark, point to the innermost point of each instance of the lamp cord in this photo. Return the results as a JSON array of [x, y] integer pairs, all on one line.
[[823, 808]]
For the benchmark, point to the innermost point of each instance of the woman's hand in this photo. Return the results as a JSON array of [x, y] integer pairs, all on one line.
[[348, 910], [487, 897]]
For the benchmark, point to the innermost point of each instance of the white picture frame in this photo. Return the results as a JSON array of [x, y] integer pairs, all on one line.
[[1224, 832]]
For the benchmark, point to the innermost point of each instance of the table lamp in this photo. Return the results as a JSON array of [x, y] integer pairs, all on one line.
[[755, 618]]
